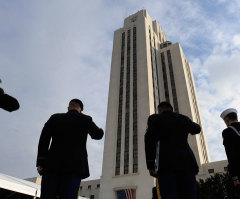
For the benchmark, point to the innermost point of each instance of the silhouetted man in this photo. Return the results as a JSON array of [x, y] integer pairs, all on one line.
[[62, 155], [177, 166], [7, 102], [231, 142]]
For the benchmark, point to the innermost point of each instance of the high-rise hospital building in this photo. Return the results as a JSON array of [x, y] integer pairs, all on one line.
[[146, 68]]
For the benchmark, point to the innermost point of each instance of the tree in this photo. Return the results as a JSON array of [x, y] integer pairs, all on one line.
[[218, 186]]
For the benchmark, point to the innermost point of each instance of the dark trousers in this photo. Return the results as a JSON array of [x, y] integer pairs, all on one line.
[[57, 185], [177, 185]]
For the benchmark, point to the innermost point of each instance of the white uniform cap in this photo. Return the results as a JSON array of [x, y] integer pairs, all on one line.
[[227, 111]]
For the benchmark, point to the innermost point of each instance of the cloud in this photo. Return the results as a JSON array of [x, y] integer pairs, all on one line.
[[52, 51], [217, 85], [60, 53], [211, 42], [95, 156], [236, 40], [233, 7]]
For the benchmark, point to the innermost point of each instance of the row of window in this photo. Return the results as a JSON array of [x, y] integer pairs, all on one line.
[[212, 170], [90, 187], [156, 75], [127, 104], [202, 140], [127, 113], [154, 72], [172, 79], [150, 43], [119, 129], [135, 129], [91, 196], [165, 80]]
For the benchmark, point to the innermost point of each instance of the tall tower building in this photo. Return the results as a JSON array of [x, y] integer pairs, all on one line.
[[145, 69]]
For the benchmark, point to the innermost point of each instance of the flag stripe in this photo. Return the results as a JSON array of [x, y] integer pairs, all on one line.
[[126, 194], [126, 191], [130, 193]]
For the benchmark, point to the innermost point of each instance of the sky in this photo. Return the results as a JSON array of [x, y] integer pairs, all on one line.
[[53, 51]]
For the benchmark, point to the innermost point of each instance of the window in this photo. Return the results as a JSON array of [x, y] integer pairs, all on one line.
[[210, 170], [135, 122], [174, 93], [117, 171], [89, 186], [127, 114], [153, 69], [92, 197], [98, 185], [157, 97], [120, 105], [164, 72], [80, 187], [135, 167]]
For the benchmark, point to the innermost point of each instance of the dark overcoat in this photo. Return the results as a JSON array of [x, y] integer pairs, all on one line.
[[231, 142], [172, 130], [62, 144]]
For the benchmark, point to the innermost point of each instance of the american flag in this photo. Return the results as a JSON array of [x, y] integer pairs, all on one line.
[[126, 194]]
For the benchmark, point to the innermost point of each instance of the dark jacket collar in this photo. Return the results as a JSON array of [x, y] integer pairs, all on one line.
[[73, 111], [167, 111]]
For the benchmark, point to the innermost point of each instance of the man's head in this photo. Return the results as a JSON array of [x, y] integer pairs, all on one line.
[[229, 116], [76, 104], [164, 106]]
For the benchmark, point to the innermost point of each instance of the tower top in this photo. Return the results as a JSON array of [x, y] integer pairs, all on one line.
[[143, 15], [133, 17]]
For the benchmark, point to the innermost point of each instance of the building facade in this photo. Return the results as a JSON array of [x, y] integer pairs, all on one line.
[[145, 69], [90, 189]]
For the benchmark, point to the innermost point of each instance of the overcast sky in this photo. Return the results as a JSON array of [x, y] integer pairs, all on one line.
[[53, 51]]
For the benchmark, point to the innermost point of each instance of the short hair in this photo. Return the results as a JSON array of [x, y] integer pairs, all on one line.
[[232, 116], [79, 102], [165, 105]]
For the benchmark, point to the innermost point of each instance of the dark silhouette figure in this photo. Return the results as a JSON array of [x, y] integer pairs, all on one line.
[[8, 102], [231, 142], [62, 158], [176, 165]]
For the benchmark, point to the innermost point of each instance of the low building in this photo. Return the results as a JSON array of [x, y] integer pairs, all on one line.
[[212, 168], [90, 189], [30, 188]]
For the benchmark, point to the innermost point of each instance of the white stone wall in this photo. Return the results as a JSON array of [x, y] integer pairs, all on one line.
[[141, 181], [90, 188]]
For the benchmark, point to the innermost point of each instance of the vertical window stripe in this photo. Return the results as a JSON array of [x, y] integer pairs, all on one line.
[[157, 82], [174, 92], [120, 105], [127, 111], [165, 81], [153, 52], [154, 94], [135, 121]]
